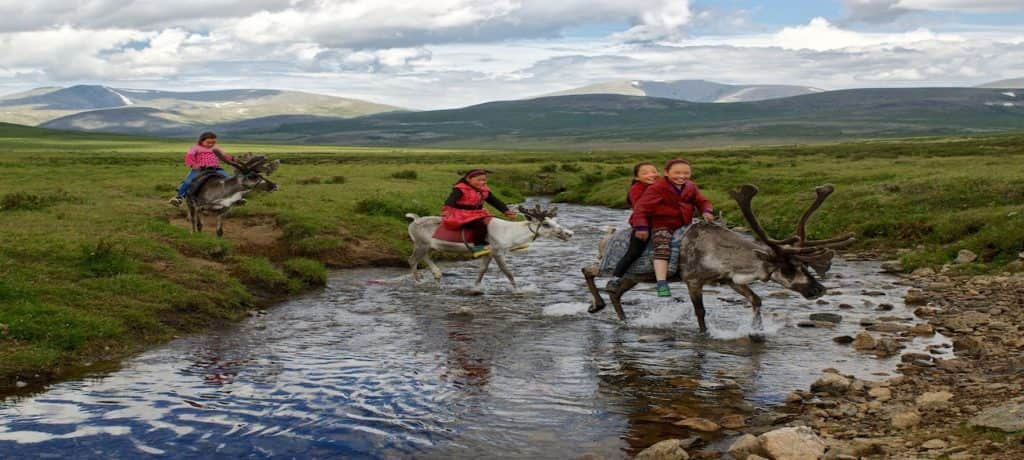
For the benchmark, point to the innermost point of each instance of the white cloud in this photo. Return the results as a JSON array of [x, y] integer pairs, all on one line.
[[820, 35], [446, 53], [973, 6]]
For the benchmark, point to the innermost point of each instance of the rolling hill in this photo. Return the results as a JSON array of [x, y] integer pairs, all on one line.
[[601, 119], [690, 90], [1011, 83], [87, 107]]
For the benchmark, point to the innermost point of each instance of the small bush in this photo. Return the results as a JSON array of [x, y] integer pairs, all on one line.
[[309, 271], [407, 174], [310, 181], [571, 167], [106, 258], [336, 180], [23, 202], [549, 168]]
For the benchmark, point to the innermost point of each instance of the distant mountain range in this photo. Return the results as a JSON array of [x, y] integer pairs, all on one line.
[[578, 120], [594, 120], [1012, 83], [691, 90], [102, 108]]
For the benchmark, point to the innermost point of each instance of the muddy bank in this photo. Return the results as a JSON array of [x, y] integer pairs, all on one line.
[[959, 402]]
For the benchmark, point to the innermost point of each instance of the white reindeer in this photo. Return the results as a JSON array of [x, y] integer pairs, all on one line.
[[502, 236]]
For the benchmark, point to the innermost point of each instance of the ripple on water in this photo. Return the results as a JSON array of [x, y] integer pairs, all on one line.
[[377, 366]]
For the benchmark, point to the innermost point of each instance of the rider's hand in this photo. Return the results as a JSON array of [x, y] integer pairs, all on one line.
[[511, 214], [708, 217], [642, 235]]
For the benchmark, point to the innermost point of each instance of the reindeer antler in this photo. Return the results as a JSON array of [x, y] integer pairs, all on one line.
[[815, 253], [220, 155], [537, 213]]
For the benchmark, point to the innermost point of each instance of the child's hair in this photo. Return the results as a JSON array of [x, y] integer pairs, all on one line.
[[674, 162], [205, 136], [636, 168]]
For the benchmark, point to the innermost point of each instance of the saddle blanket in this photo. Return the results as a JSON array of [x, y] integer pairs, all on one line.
[[456, 236], [200, 180], [619, 244]]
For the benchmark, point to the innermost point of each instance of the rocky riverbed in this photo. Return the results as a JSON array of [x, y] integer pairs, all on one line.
[[961, 403]]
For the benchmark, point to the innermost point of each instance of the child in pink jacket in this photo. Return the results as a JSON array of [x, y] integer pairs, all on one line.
[[201, 156]]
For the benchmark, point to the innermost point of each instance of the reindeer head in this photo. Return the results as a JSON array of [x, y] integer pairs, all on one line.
[[547, 226], [253, 169], [790, 258]]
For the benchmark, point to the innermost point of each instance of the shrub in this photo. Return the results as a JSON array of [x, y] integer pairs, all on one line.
[[106, 258], [308, 271], [336, 180], [549, 168], [407, 174], [23, 201], [571, 167], [310, 181]]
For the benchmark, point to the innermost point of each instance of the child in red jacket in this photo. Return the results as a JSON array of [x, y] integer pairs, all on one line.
[[664, 207], [644, 174]]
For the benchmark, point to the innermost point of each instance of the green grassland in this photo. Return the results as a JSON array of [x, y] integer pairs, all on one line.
[[94, 265]]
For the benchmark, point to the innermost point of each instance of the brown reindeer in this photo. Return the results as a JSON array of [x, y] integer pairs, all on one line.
[[217, 195], [711, 253]]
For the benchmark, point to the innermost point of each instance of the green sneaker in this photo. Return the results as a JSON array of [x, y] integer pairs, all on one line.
[[664, 291]]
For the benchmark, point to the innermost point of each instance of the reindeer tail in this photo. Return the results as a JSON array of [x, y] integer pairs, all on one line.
[[412, 216]]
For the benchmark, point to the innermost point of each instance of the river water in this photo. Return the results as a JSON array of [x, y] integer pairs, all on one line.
[[376, 367]]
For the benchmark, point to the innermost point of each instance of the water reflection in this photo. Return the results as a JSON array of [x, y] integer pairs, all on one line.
[[371, 369]]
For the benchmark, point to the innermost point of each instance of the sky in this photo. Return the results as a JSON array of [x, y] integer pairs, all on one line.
[[429, 54]]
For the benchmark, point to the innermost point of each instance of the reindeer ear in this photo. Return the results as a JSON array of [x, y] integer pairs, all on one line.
[[764, 255]]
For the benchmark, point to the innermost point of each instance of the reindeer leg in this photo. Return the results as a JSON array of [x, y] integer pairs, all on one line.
[[434, 269], [755, 303], [500, 259], [414, 261], [220, 225], [485, 262], [624, 287], [597, 302], [696, 289], [191, 217]]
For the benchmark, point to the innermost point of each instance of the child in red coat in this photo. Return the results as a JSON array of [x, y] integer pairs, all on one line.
[[664, 207], [465, 206], [644, 174]]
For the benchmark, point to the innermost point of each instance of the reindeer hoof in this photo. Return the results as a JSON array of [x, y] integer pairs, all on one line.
[[596, 307], [757, 337]]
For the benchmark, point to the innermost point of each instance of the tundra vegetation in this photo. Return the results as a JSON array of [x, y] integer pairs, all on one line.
[[94, 265]]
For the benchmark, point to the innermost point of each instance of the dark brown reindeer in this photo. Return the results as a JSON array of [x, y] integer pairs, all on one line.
[[217, 195], [710, 253]]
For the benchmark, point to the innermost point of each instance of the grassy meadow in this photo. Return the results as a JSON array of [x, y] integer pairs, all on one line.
[[94, 265]]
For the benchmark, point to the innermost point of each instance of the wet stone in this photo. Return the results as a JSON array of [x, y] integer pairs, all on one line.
[[843, 339], [864, 341], [845, 306], [792, 443], [699, 424], [1007, 417], [934, 444], [884, 307], [670, 449], [826, 317]]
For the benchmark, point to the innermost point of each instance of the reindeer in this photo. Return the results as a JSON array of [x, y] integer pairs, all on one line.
[[502, 235], [218, 195], [711, 253]]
